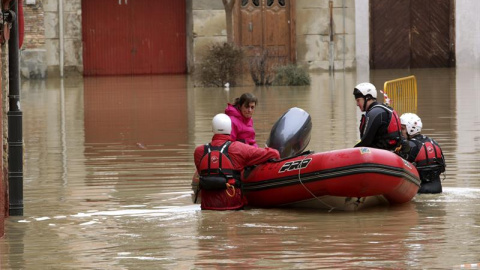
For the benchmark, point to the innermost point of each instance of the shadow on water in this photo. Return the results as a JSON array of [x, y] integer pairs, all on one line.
[[108, 165]]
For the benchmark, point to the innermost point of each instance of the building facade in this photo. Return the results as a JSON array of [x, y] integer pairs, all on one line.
[[321, 34]]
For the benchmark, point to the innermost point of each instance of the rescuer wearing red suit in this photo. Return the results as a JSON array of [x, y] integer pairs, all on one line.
[[425, 153], [221, 184]]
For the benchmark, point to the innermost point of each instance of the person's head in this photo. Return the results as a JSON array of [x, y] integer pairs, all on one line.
[[411, 124], [365, 94], [246, 103], [221, 124]]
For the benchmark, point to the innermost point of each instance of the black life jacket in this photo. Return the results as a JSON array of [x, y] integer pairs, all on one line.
[[393, 137], [216, 169], [429, 161]]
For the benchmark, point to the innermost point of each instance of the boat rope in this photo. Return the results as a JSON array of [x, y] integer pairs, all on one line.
[[300, 179]]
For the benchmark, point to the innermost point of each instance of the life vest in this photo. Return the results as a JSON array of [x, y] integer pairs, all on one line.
[[216, 170], [392, 138], [219, 182], [429, 161]]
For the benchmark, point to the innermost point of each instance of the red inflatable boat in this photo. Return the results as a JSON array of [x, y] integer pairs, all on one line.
[[346, 179], [351, 175]]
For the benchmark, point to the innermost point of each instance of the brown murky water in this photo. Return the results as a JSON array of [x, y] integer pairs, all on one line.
[[108, 165]]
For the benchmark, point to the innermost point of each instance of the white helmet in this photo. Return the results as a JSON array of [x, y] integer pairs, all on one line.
[[364, 89], [221, 124], [412, 122]]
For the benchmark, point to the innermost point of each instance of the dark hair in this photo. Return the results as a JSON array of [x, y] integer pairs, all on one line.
[[245, 98]]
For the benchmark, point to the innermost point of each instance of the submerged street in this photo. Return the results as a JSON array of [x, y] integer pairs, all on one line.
[[108, 163]]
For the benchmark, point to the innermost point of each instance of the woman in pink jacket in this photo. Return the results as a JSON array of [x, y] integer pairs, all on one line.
[[241, 112]]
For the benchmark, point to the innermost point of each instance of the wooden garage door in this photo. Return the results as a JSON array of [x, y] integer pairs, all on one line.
[[412, 34], [126, 37]]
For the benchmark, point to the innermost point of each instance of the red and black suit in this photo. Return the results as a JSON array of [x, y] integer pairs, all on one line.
[[239, 156], [426, 154], [380, 128]]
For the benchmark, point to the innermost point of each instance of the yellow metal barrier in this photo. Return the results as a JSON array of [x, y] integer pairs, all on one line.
[[403, 94]]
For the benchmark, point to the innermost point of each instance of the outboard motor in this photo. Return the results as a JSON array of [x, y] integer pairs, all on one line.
[[290, 135]]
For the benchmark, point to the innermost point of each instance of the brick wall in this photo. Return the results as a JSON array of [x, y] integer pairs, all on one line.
[[34, 25]]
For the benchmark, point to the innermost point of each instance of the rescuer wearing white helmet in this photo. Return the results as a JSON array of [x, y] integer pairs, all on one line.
[[365, 94], [380, 125], [221, 161], [411, 124], [221, 124], [425, 153]]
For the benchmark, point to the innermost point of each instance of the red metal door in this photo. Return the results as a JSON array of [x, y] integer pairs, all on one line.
[[106, 37], [128, 37], [158, 35]]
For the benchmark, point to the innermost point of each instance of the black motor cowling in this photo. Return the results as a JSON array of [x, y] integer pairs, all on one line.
[[290, 135]]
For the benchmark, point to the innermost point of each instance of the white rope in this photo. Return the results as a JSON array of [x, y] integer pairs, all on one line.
[[300, 179]]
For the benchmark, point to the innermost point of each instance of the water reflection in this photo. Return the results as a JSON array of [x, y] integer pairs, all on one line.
[[108, 165], [306, 239], [135, 110]]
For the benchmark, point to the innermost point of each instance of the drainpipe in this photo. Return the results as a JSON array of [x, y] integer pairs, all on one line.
[[332, 52], [14, 115], [60, 22], [344, 33]]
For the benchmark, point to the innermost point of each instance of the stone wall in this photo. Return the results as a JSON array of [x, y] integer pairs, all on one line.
[[34, 25], [33, 54]]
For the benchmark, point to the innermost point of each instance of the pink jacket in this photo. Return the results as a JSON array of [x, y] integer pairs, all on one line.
[[242, 128]]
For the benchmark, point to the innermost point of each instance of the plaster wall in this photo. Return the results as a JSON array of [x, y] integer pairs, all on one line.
[[72, 39], [467, 33], [208, 27], [362, 40], [314, 49]]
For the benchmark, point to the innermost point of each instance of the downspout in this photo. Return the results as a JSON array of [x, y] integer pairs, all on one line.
[[60, 21], [344, 33], [331, 35], [15, 119]]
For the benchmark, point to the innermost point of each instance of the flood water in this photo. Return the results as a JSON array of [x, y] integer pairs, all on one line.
[[108, 166]]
